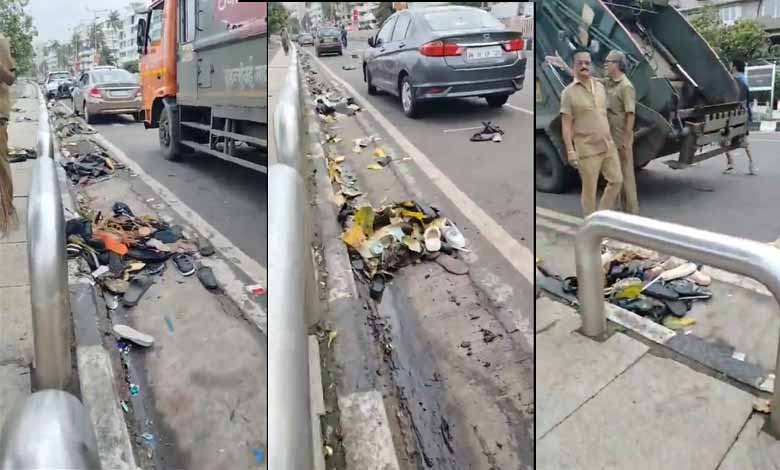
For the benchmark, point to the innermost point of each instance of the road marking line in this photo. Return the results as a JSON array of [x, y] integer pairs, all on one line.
[[517, 108], [559, 216], [764, 140], [462, 129], [520, 257]]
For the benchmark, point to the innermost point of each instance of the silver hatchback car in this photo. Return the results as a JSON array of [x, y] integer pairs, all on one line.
[[107, 90], [444, 52]]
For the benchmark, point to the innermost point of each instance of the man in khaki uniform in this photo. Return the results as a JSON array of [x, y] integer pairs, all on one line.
[[621, 108], [8, 218], [586, 135]]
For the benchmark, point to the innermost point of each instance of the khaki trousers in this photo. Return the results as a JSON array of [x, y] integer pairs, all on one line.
[[607, 164], [628, 196], [7, 212]]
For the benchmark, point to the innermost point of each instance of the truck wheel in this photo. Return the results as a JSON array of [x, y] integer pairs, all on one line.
[[551, 175], [169, 135]]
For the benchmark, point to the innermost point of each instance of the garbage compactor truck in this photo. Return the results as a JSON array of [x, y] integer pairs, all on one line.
[[687, 100], [204, 76]]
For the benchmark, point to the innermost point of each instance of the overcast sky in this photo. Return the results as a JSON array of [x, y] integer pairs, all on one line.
[[53, 18]]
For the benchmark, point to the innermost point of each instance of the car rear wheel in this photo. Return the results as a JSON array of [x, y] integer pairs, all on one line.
[[371, 88], [89, 117], [496, 101], [408, 101], [551, 175]]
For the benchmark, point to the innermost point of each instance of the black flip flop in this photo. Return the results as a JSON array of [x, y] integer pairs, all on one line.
[[184, 264], [138, 287], [147, 255], [206, 276], [205, 246]]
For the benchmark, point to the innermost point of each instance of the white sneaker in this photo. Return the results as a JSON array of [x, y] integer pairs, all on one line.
[[131, 334]]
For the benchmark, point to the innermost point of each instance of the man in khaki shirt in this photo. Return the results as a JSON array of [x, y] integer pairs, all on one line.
[[621, 108], [8, 219], [587, 137]]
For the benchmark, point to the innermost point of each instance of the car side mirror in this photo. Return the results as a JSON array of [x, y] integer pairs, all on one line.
[[371, 41], [140, 34]]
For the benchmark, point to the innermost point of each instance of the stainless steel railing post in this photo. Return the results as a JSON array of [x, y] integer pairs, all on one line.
[[47, 262], [52, 429], [746, 257], [289, 402]]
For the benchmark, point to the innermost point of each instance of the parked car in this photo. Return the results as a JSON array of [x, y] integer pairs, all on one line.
[[328, 40], [65, 87], [306, 38], [107, 91], [52, 84], [444, 52]]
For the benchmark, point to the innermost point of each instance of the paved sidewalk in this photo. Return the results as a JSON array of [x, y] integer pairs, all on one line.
[[16, 341], [625, 403]]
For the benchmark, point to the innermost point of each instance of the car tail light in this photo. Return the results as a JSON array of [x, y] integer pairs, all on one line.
[[440, 49], [514, 45], [95, 93]]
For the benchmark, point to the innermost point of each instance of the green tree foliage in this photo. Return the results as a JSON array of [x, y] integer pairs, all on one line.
[[131, 66], [383, 12], [106, 56], [114, 21], [277, 17], [744, 40], [18, 27]]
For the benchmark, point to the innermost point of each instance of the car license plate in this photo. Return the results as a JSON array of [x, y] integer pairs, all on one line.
[[120, 94], [481, 53]]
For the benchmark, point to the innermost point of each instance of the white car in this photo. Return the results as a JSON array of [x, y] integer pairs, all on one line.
[[53, 80]]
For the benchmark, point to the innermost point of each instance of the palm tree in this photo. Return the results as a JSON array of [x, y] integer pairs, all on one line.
[[114, 21]]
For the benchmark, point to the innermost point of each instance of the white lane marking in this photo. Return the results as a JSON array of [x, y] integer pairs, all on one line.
[[118, 124], [550, 214], [763, 140], [462, 129], [520, 257], [518, 108]]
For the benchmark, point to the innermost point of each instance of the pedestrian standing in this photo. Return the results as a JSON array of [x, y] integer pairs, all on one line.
[[621, 109], [285, 41], [586, 135], [344, 36], [8, 219], [738, 69]]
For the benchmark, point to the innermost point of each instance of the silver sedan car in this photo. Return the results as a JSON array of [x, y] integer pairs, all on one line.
[[107, 90], [430, 53]]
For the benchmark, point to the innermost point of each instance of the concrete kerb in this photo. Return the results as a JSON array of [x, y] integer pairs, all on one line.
[[96, 375], [367, 436]]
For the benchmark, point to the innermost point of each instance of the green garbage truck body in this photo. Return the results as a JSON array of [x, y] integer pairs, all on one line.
[[687, 101]]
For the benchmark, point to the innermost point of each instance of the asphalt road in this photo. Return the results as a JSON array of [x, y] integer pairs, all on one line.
[[498, 177], [233, 199], [703, 197]]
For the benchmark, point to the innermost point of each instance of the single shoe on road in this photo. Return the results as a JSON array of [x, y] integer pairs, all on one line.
[[131, 334]]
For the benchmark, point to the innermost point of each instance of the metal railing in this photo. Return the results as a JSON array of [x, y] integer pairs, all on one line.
[[746, 257], [47, 262], [51, 430], [289, 402]]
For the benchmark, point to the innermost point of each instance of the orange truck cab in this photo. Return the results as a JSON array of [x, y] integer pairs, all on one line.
[[204, 76]]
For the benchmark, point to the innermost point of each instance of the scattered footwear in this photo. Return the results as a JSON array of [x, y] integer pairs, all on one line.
[[184, 264], [452, 265], [433, 238], [131, 334], [136, 289], [205, 246], [207, 278], [488, 133]]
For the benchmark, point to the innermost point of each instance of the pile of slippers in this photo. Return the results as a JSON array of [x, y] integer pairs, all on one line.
[[124, 253]]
